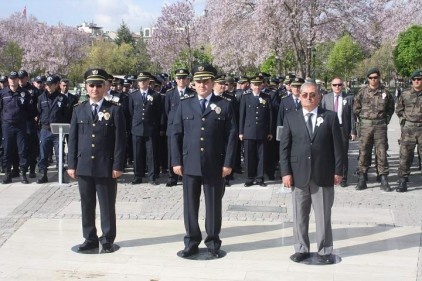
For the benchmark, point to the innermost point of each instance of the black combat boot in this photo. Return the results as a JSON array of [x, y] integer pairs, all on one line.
[[402, 185], [361, 183], [384, 184], [43, 178], [7, 178], [24, 180]]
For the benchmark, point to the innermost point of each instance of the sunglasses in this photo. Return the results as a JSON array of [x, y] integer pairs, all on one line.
[[417, 79], [308, 95], [373, 77], [94, 85], [336, 85]]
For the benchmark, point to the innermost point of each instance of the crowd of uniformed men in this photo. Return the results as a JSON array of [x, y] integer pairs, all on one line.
[[29, 107]]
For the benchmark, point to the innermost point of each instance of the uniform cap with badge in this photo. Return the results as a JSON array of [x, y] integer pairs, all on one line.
[[3, 78], [181, 72], [243, 79], [96, 76], [220, 79], [143, 76], [13, 74], [52, 79], [258, 78], [22, 73], [203, 72], [297, 81]]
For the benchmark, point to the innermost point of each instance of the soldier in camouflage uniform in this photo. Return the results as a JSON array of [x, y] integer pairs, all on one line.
[[409, 110], [374, 107]]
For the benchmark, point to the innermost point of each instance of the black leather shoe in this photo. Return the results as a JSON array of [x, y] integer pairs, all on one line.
[[171, 183], [248, 183], [88, 245], [298, 257], [227, 183], [15, 174], [7, 178], [384, 184], [43, 179], [32, 175], [23, 178], [271, 177], [107, 248], [137, 181], [343, 183], [215, 253], [262, 183], [402, 185], [361, 183], [327, 259], [187, 252], [153, 183]]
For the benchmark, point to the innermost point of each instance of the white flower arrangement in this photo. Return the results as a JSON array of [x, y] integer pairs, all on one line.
[[319, 121]]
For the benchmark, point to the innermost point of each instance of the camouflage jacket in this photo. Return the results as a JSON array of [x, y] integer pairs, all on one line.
[[373, 104], [409, 106]]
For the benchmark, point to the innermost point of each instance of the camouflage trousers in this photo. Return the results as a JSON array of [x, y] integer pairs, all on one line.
[[411, 135], [373, 135]]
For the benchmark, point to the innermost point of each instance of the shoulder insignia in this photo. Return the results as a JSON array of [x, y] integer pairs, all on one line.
[[169, 90], [247, 92], [187, 97]]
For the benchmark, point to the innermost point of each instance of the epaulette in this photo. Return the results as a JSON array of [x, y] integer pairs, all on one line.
[[113, 102], [169, 90], [226, 98], [284, 96], [247, 92], [187, 97], [79, 103]]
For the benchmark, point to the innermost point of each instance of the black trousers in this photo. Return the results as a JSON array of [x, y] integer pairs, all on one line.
[[213, 193], [345, 142], [106, 189], [172, 176], [145, 151], [255, 158]]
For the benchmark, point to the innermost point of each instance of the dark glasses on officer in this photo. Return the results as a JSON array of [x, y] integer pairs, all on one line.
[[95, 85], [417, 79], [373, 77], [336, 85], [308, 95]]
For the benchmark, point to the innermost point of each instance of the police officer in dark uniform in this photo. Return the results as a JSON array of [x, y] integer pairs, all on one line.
[[96, 157], [32, 123], [204, 138], [16, 109], [290, 102], [145, 111], [171, 102], [52, 108]]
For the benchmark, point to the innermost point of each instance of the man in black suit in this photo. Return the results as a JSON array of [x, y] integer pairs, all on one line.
[[255, 127], [96, 157], [342, 104], [171, 102], [311, 163], [203, 147], [145, 110]]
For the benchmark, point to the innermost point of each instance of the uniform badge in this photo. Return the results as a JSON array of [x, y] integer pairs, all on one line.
[[217, 110], [106, 116], [319, 121], [23, 94], [95, 72], [100, 115], [115, 99], [59, 104], [150, 98], [383, 95], [261, 100], [344, 102], [22, 100]]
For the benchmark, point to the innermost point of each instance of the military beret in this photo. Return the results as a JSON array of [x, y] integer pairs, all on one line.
[[52, 79], [257, 79], [144, 76], [297, 81], [95, 76], [220, 78], [22, 73], [3, 78], [372, 71], [203, 72], [417, 73], [181, 72], [243, 79], [13, 74]]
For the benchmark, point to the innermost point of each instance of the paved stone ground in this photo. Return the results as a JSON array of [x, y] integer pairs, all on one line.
[[370, 207]]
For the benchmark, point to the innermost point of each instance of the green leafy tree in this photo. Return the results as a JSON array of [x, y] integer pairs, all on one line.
[[124, 35], [344, 57], [408, 52], [11, 56]]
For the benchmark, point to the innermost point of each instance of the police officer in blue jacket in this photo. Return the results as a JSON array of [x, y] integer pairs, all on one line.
[[16, 109], [96, 157], [203, 147], [52, 108]]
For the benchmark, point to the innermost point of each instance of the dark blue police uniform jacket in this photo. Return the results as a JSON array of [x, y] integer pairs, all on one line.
[[52, 109], [203, 143], [146, 114], [97, 147], [255, 117]]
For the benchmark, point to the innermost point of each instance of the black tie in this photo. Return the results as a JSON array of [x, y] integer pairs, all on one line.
[[297, 103], [94, 110], [144, 97], [309, 124], [203, 101]]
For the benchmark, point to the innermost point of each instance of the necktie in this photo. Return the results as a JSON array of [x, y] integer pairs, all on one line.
[[144, 97], [94, 110], [309, 124], [202, 101], [297, 103], [336, 103], [181, 93]]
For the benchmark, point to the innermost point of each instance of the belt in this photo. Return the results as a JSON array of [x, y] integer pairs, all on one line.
[[373, 122], [413, 124]]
